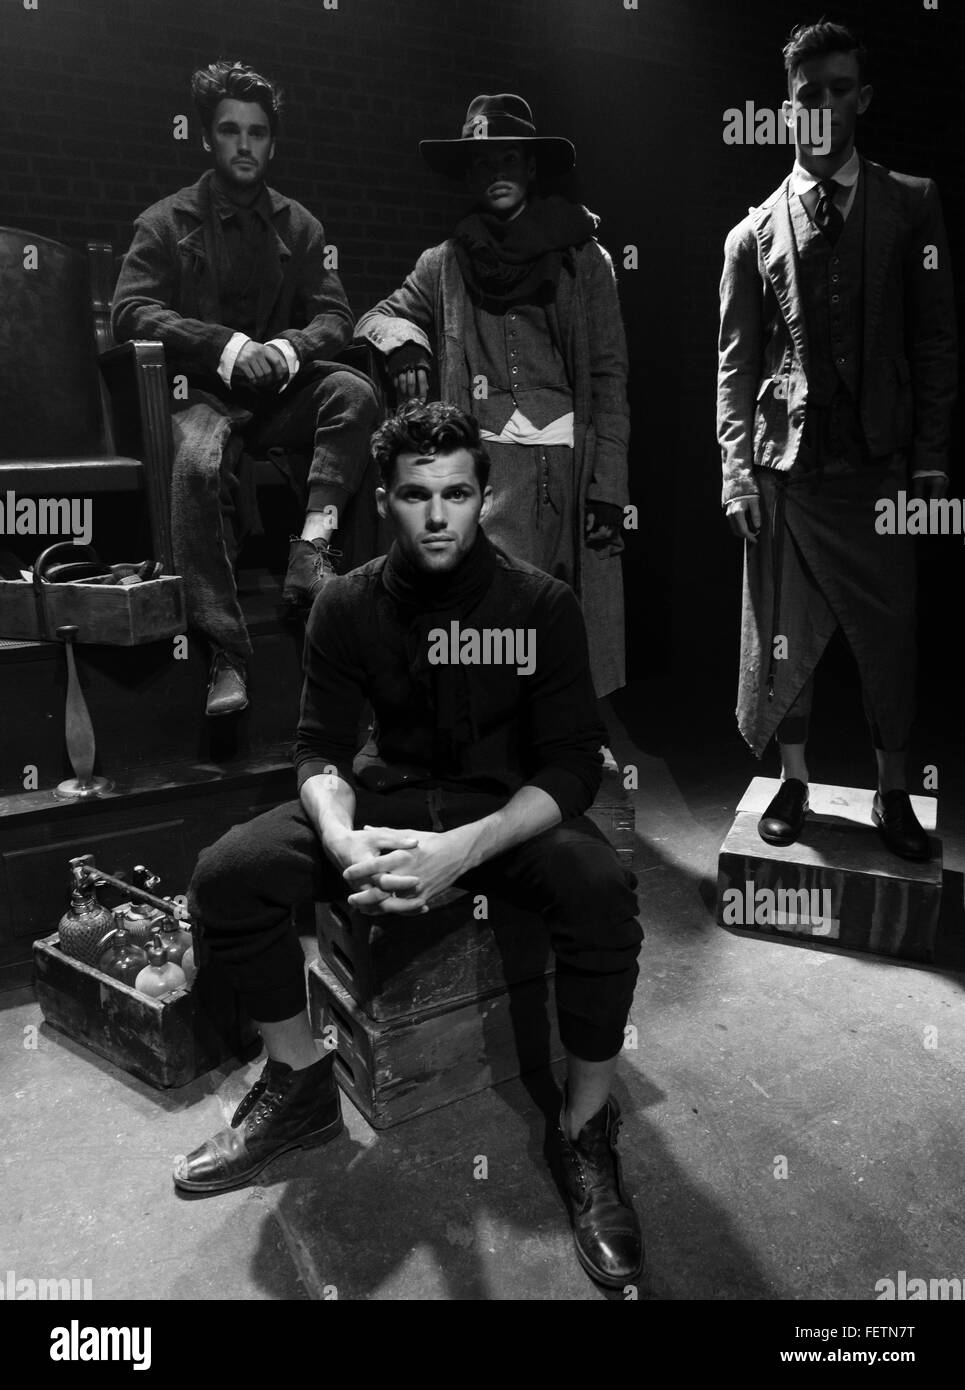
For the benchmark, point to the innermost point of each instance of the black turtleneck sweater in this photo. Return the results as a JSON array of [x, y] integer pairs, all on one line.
[[540, 730]]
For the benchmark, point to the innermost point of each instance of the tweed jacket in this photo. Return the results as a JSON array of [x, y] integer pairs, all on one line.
[[433, 308], [167, 289], [909, 353]]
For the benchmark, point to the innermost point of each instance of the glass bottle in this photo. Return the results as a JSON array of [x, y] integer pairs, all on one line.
[[175, 938], [86, 922], [160, 976], [122, 958]]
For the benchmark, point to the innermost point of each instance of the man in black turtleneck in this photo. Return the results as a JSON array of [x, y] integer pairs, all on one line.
[[483, 777], [239, 285]]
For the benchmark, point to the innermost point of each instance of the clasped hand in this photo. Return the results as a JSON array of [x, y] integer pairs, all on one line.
[[261, 365], [397, 871]]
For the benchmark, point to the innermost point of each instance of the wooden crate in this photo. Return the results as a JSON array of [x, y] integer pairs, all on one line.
[[396, 1070], [394, 968], [856, 894], [165, 1042], [113, 614]]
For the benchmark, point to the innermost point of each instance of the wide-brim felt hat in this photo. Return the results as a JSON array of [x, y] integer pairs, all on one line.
[[505, 118]]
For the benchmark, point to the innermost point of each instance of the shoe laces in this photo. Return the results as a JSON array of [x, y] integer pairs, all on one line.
[[267, 1103]]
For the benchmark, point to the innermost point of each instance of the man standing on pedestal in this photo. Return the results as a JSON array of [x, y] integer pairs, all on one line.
[[837, 377]]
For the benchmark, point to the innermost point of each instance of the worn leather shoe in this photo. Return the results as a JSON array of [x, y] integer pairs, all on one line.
[[227, 692], [784, 818], [606, 1229], [295, 1109], [311, 565], [898, 825], [247, 1103]]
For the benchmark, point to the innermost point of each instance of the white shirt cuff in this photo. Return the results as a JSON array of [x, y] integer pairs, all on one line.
[[289, 354], [230, 356], [929, 473]]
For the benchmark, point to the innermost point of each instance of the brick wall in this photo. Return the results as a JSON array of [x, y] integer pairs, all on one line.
[[91, 88]]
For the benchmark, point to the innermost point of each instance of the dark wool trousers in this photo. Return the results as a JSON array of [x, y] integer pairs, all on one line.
[[246, 884]]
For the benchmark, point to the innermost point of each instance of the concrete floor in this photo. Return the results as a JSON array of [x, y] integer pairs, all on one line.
[[749, 1050]]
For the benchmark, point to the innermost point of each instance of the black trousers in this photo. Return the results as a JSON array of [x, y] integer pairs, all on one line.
[[246, 884]]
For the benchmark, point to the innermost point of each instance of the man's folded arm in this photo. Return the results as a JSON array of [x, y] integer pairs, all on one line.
[[333, 693], [141, 308], [408, 314]]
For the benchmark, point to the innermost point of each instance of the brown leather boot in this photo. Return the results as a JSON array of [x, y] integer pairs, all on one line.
[[311, 564], [294, 1109], [606, 1229]]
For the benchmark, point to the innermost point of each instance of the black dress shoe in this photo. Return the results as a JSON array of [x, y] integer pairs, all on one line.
[[898, 825], [606, 1229], [296, 1109], [311, 565], [784, 818]]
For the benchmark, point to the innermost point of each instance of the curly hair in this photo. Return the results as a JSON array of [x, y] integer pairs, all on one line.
[[433, 428], [238, 82], [807, 41]]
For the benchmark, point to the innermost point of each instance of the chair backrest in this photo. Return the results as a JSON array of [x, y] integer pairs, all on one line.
[[50, 393]]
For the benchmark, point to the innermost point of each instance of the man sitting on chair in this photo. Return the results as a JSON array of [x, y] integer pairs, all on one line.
[[235, 281], [483, 778]]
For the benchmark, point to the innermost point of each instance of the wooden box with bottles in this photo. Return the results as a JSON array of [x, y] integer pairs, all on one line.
[[166, 1042], [112, 978]]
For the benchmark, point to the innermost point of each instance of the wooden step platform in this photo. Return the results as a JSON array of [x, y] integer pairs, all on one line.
[[837, 885]]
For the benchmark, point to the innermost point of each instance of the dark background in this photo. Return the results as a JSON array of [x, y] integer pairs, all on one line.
[[90, 91]]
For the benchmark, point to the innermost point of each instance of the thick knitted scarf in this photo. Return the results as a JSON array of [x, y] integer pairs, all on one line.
[[505, 263], [425, 601]]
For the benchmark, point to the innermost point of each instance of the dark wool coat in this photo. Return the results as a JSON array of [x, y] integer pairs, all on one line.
[[168, 291], [908, 383]]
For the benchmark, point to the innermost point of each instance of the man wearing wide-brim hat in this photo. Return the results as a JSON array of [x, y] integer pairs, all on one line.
[[517, 318]]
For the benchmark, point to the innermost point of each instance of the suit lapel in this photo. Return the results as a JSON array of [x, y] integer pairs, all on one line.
[[775, 238]]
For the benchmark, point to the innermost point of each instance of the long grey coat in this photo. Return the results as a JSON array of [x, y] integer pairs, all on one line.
[[433, 308]]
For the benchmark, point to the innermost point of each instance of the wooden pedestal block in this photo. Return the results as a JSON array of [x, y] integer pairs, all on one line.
[[837, 884], [165, 1042], [397, 967], [396, 1070]]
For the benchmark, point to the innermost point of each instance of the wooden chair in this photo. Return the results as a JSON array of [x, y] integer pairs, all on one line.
[[80, 417]]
